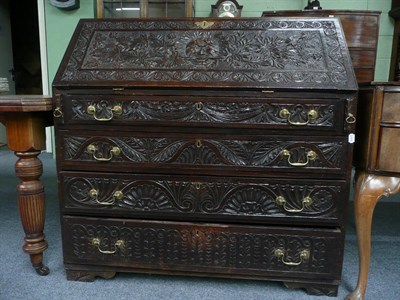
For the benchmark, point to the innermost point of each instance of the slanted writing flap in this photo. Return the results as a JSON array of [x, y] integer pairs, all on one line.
[[305, 53]]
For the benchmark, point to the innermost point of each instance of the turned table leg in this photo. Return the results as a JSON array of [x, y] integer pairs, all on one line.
[[369, 189], [25, 118], [31, 207]]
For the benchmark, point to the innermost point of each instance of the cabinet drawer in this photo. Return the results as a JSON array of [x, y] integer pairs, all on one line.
[[297, 113], [177, 153], [198, 248], [235, 199], [387, 159], [391, 108]]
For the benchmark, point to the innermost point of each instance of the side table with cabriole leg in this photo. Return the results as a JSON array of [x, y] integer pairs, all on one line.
[[25, 118], [377, 164]]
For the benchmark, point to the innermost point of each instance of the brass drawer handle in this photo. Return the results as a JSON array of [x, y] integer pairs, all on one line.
[[118, 244], [57, 113], [116, 110], [311, 115], [117, 196], [307, 201], [114, 151], [311, 155], [351, 119], [304, 256]]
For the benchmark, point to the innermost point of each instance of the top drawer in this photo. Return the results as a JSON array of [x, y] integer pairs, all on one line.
[[391, 108], [183, 111]]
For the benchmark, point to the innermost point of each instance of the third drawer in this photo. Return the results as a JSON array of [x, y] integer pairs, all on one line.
[[204, 198]]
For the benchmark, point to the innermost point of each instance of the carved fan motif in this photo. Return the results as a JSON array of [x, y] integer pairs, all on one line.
[[145, 197], [203, 198]]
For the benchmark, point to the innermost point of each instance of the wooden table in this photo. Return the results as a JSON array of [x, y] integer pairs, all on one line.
[[377, 164], [25, 118]]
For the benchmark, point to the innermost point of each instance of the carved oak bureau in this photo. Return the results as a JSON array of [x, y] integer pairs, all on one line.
[[206, 147]]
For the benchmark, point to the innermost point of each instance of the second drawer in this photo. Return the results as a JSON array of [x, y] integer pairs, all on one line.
[[203, 153]]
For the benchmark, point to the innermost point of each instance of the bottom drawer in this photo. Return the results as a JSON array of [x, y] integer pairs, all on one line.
[[203, 248]]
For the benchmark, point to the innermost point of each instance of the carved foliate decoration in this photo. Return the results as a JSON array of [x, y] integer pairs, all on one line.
[[251, 52], [201, 246], [205, 112], [203, 198], [262, 152]]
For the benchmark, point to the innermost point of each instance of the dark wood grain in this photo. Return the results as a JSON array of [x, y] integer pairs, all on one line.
[[206, 147]]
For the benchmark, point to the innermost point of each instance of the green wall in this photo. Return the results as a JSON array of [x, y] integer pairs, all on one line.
[[59, 28], [61, 24]]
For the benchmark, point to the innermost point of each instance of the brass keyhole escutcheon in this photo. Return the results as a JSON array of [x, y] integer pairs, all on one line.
[[198, 143]]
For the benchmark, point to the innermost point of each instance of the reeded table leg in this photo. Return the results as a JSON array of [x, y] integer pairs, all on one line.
[[368, 190], [25, 118], [31, 207]]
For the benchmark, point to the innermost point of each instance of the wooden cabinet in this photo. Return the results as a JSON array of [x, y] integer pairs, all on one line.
[[207, 147], [378, 132], [361, 30], [377, 164]]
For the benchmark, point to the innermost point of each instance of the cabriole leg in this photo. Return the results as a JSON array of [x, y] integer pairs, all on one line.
[[368, 190]]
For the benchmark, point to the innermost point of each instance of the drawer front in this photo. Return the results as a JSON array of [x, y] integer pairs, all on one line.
[[144, 152], [391, 108], [203, 248], [289, 201], [388, 152], [312, 114]]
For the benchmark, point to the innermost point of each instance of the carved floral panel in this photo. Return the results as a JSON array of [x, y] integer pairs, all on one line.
[[251, 52]]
